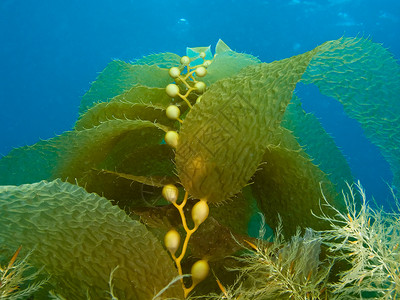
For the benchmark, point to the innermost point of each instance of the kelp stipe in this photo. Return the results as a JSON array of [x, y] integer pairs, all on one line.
[[368, 239]]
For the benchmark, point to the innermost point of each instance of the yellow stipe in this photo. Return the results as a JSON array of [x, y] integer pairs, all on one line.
[[180, 207], [184, 98], [186, 291], [189, 74], [200, 210], [183, 80], [173, 89]]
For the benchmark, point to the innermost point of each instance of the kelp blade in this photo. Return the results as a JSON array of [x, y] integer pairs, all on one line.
[[80, 238], [365, 78], [223, 138]]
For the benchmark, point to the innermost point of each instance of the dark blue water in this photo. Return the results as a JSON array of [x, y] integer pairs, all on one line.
[[51, 50]]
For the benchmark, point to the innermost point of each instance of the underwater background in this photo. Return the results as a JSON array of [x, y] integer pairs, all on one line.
[[52, 50]]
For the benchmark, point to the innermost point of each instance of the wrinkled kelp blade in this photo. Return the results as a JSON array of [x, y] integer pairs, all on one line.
[[29, 164], [237, 212], [140, 102], [132, 175], [161, 60], [365, 78], [223, 138], [145, 95], [80, 238], [119, 77], [155, 181], [106, 111], [318, 144], [110, 138], [73, 153], [149, 160], [215, 241], [125, 190], [221, 47], [227, 63], [288, 185]]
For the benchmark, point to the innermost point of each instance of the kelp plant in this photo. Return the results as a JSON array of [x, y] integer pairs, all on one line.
[[221, 137]]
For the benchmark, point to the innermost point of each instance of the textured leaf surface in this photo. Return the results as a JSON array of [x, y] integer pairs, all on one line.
[[139, 102], [365, 78], [318, 144], [223, 138], [162, 60], [126, 190], [76, 152], [289, 185], [236, 213], [118, 77], [80, 238], [228, 63]]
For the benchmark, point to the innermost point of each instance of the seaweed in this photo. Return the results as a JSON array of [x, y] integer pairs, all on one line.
[[193, 147], [368, 240], [18, 279]]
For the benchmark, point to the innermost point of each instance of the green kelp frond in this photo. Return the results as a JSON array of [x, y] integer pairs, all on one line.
[[318, 144], [287, 185], [79, 238], [221, 47], [127, 146], [237, 212], [227, 63], [118, 77], [161, 60], [54, 296], [365, 78], [368, 239], [139, 102], [237, 113], [239, 116]]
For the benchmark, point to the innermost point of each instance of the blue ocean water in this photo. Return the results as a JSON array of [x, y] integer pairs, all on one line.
[[52, 50]]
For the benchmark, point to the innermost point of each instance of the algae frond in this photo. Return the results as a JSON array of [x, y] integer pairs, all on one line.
[[18, 279]]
